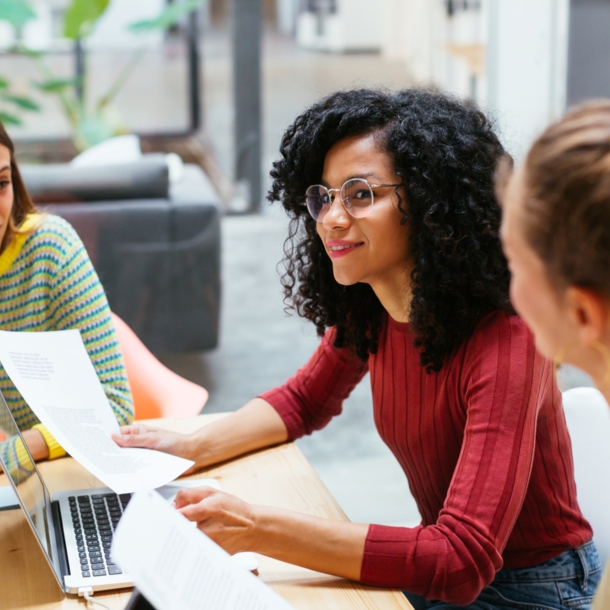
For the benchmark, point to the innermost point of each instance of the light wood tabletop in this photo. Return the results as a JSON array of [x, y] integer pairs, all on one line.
[[280, 476]]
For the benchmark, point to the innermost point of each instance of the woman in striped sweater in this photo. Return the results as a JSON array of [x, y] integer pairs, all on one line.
[[47, 282]]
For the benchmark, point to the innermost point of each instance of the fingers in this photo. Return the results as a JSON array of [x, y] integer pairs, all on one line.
[[194, 512], [134, 429], [193, 495], [136, 436]]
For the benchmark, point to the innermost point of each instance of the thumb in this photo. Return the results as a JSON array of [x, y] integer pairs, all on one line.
[[193, 495]]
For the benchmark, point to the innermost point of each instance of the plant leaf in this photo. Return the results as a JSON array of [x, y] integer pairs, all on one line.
[[3, 83], [16, 12], [81, 17], [25, 103], [56, 85], [9, 119], [168, 17]]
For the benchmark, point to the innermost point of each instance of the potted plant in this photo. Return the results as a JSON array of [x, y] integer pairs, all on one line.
[[91, 121]]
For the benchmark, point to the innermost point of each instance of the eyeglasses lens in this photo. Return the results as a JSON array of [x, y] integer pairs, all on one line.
[[357, 197], [318, 202]]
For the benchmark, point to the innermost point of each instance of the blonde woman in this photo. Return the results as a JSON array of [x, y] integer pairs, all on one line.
[[556, 235]]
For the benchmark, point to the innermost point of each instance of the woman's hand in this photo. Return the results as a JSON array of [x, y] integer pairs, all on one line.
[[254, 426], [227, 520], [146, 437], [324, 545]]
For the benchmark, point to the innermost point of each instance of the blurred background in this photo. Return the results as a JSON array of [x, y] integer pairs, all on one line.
[[151, 125]]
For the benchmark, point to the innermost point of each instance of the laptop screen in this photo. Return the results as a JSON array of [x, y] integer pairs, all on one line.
[[29, 487]]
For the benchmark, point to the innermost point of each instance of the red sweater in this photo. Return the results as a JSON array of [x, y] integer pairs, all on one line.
[[483, 443]]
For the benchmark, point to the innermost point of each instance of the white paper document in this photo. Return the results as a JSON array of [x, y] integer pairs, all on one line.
[[177, 567], [55, 376]]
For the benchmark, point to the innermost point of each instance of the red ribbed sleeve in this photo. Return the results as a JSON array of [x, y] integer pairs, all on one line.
[[483, 443], [310, 399]]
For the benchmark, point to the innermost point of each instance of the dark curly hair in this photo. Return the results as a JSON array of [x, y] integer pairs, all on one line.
[[445, 153]]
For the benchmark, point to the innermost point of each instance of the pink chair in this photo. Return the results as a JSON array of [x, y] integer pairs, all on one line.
[[157, 391]]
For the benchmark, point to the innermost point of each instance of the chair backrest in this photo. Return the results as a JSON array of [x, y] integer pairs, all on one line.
[[157, 391], [588, 417]]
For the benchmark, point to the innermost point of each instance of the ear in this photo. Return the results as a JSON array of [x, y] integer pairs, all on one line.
[[590, 314]]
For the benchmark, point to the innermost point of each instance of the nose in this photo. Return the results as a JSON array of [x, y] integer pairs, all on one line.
[[337, 217]]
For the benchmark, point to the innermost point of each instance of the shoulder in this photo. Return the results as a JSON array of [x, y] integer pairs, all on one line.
[[500, 329], [502, 353], [54, 234], [501, 343]]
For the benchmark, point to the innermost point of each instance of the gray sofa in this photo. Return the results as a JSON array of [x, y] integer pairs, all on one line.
[[155, 247]]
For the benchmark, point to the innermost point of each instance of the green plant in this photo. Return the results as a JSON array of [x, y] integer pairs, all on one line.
[[12, 104], [91, 121]]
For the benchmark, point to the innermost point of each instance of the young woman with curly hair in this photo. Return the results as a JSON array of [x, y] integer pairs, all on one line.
[[393, 253]]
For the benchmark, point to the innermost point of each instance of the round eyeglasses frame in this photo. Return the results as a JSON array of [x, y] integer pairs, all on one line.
[[355, 211]]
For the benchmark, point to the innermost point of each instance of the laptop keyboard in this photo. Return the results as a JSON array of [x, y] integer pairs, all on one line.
[[95, 518]]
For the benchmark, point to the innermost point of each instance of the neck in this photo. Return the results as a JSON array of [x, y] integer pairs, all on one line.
[[394, 292], [599, 370]]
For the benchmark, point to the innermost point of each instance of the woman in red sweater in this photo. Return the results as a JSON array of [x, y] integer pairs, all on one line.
[[393, 253]]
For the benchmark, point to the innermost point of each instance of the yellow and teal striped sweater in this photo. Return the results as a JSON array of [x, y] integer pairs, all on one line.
[[47, 282]]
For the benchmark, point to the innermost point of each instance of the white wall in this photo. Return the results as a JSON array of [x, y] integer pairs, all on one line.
[[524, 86], [526, 67]]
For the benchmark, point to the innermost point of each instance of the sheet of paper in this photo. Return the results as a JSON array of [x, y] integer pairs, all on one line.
[[168, 492], [178, 568], [55, 376]]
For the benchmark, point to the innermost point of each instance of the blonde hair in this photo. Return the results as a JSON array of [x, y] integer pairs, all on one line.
[[567, 210]]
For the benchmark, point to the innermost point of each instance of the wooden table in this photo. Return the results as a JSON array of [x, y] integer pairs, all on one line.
[[280, 476]]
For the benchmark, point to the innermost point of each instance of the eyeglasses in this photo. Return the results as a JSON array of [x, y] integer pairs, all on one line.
[[356, 195]]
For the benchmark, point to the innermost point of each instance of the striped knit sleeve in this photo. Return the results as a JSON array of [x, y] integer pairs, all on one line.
[[78, 301], [16, 459]]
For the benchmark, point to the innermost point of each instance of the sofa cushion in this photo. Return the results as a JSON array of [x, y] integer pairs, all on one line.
[[63, 183]]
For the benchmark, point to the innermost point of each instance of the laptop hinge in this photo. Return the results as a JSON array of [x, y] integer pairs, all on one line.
[[60, 541]]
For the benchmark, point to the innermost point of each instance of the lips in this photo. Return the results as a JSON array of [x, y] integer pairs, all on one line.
[[338, 248]]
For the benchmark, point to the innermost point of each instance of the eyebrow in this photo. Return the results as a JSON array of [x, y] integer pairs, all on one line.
[[5, 168], [365, 175]]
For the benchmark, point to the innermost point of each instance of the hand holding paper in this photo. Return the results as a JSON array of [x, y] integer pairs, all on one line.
[[178, 568], [55, 376]]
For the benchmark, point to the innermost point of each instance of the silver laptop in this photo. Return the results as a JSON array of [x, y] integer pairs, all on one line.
[[74, 529]]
